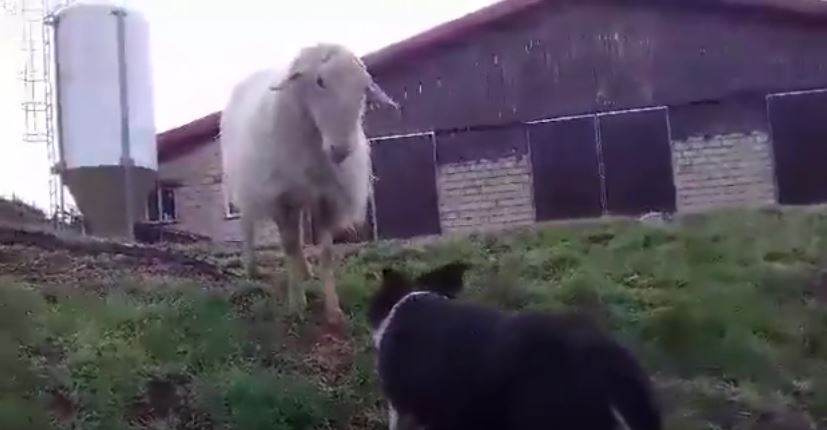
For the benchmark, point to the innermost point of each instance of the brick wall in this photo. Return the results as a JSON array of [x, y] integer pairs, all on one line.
[[199, 200], [723, 171], [485, 194]]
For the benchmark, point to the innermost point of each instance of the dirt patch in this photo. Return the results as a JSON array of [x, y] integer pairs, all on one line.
[[326, 351], [43, 258], [62, 407], [329, 352], [169, 400]]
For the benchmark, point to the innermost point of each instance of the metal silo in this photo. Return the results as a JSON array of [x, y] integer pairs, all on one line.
[[106, 129]]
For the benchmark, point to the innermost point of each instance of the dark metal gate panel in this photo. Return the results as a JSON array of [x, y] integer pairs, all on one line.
[[637, 161], [405, 190], [565, 169], [481, 144], [799, 135]]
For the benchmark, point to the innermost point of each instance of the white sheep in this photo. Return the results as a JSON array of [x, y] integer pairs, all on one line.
[[292, 141]]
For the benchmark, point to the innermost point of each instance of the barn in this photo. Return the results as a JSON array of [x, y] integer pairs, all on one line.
[[535, 110]]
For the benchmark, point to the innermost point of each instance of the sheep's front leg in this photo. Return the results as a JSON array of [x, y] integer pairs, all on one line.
[[333, 312], [248, 253], [288, 221]]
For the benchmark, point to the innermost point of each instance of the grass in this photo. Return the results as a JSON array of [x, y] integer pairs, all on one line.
[[725, 312]]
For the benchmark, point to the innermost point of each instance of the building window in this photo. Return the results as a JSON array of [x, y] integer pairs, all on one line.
[[161, 204], [230, 208]]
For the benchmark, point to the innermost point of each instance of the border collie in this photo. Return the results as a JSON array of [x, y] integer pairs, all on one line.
[[447, 365]]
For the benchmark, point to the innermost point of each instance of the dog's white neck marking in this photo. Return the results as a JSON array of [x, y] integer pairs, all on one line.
[[383, 326]]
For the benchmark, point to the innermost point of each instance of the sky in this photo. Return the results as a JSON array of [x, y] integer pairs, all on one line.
[[199, 49]]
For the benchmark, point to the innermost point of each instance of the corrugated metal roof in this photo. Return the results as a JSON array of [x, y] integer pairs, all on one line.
[[179, 139]]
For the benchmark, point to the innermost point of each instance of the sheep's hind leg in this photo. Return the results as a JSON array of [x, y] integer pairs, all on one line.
[[304, 265], [288, 221]]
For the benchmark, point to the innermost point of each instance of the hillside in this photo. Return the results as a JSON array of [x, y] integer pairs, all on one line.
[[17, 212], [728, 312]]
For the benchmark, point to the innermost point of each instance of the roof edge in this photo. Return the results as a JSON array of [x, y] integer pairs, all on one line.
[[445, 31], [180, 139]]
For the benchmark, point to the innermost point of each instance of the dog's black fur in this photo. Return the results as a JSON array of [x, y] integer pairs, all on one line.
[[452, 365]]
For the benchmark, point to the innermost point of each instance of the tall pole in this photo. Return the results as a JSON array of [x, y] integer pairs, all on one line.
[[126, 157], [58, 167]]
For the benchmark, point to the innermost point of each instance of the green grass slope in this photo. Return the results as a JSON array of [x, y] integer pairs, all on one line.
[[728, 313]]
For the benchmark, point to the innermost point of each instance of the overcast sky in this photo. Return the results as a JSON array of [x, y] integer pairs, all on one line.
[[200, 48]]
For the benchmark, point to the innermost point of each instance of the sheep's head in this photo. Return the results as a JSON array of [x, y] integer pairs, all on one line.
[[333, 85]]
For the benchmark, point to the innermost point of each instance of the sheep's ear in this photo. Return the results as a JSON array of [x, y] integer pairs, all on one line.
[[328, 54], [375, 94], [284, 82], [446, 280], [308, 60]]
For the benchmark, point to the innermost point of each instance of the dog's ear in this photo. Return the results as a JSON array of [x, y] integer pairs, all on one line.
[[446, 280], [393, 286], [394, 280]]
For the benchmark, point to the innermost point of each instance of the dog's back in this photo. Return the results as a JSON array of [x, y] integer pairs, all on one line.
[[455, 365], [562, 371]]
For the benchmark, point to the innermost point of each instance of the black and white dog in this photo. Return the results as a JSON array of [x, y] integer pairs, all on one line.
[[448, 365]]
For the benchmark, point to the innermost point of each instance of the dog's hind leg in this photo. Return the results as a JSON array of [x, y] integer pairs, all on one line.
[[400, 422], [632, 395], [554, 400], [393, 418]]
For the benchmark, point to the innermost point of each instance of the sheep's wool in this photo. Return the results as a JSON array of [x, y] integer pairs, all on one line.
[[270, 147]]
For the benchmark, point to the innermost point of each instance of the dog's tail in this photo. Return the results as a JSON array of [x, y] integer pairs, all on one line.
[[632, 394]]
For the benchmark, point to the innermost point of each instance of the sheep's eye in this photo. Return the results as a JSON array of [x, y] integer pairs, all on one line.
[[320, 82]]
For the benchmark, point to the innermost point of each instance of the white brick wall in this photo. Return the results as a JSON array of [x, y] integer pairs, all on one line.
[[485, 194], [199, 201], [723, 171]]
